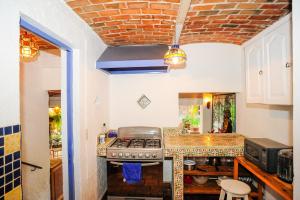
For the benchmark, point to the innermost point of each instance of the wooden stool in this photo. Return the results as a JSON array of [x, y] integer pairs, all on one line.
[[234, 188]]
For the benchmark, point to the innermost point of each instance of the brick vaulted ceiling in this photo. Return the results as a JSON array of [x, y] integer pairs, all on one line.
[[42, 44], [129, 22]]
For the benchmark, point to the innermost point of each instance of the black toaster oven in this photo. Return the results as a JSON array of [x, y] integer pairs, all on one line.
[[263, 152]]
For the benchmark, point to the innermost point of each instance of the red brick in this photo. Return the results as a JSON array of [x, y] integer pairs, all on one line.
[[100, 19], [272, 6], [225, 6], [113, 23], [151, 11], [131, 11], [161, 6], [260, 17], [273, 12], [248, 6], [203, 7], [109, 12], [170, 12], [120, 17], [213, 1], [127, 26], [99, 1], [89, 15], [77, 3], [137, 4], [151, 21], [236, 21], [93, 8], [115, 6]]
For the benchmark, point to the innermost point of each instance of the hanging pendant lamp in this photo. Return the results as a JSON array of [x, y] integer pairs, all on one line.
[[175, 56], [29, 49]]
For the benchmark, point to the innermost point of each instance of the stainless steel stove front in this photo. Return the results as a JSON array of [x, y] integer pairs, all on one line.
[[137, 143]]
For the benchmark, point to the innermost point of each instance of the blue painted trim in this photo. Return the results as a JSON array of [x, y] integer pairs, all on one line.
[[42, 34], [70, 123], [129, 63]]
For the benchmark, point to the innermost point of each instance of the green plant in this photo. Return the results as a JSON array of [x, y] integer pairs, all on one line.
[[192, 117], [55, 119], [56, 139]]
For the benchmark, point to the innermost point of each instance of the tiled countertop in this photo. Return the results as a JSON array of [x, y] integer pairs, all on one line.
[[101, 148], [178, 145]]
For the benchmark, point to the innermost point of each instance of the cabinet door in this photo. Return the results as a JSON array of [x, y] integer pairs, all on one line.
[[278, 76], [254, 73]]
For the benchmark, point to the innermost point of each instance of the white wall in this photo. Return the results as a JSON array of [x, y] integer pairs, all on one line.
[[36, 79], [210, 68], [58, 20], [296, 91]]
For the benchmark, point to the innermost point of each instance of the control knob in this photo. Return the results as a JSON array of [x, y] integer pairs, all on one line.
[[147, 155], [113, 154], [154, 155], [140, 155], [127, 155], [133, 155], [120, 154]]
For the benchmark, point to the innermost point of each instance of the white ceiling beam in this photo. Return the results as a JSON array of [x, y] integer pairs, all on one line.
[[181, 16]]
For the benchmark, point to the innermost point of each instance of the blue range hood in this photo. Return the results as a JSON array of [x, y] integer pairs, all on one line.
[[133, 59]]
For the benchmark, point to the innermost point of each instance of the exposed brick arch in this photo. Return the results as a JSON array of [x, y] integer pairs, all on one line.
[[130, 22], [230, 21], [122, 22]]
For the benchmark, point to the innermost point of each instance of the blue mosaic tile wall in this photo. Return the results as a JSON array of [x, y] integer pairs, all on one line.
[[10, 159]]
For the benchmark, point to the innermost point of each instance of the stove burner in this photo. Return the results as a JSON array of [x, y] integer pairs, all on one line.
[[136, 143], [121, 143], [152, 143]]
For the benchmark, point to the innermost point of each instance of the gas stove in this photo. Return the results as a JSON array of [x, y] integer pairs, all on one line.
[[136, 143]]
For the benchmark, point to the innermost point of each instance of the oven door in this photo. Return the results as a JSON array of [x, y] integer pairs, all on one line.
[[253, 153], [150, 187]]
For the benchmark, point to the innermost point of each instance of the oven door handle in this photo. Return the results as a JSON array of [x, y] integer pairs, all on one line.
[[143, 165]]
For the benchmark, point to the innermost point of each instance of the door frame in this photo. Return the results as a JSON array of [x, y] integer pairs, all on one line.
[[69, 95]]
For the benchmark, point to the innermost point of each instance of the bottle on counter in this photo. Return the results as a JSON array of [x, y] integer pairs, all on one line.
[[102, 134]]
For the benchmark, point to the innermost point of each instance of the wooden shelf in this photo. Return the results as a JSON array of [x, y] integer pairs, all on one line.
[[211, 187], [284, 189], [210, 171]]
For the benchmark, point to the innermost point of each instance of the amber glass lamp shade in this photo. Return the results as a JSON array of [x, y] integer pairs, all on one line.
[[29, 49], [175, 56]]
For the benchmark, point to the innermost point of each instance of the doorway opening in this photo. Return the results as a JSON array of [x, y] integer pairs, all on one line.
[[65, 77]]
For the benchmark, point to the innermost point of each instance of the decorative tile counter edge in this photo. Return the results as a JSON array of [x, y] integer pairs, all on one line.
[[207, 152], [101, 148]]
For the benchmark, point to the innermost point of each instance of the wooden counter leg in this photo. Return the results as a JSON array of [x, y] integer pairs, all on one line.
[[260, 191], [178, 184], [235, 169]]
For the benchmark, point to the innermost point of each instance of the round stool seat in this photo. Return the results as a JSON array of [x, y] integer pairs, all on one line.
[[235, 187]]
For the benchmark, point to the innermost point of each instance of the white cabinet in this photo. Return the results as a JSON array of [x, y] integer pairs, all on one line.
[[254, 72], [268, 66], [278, 79]]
